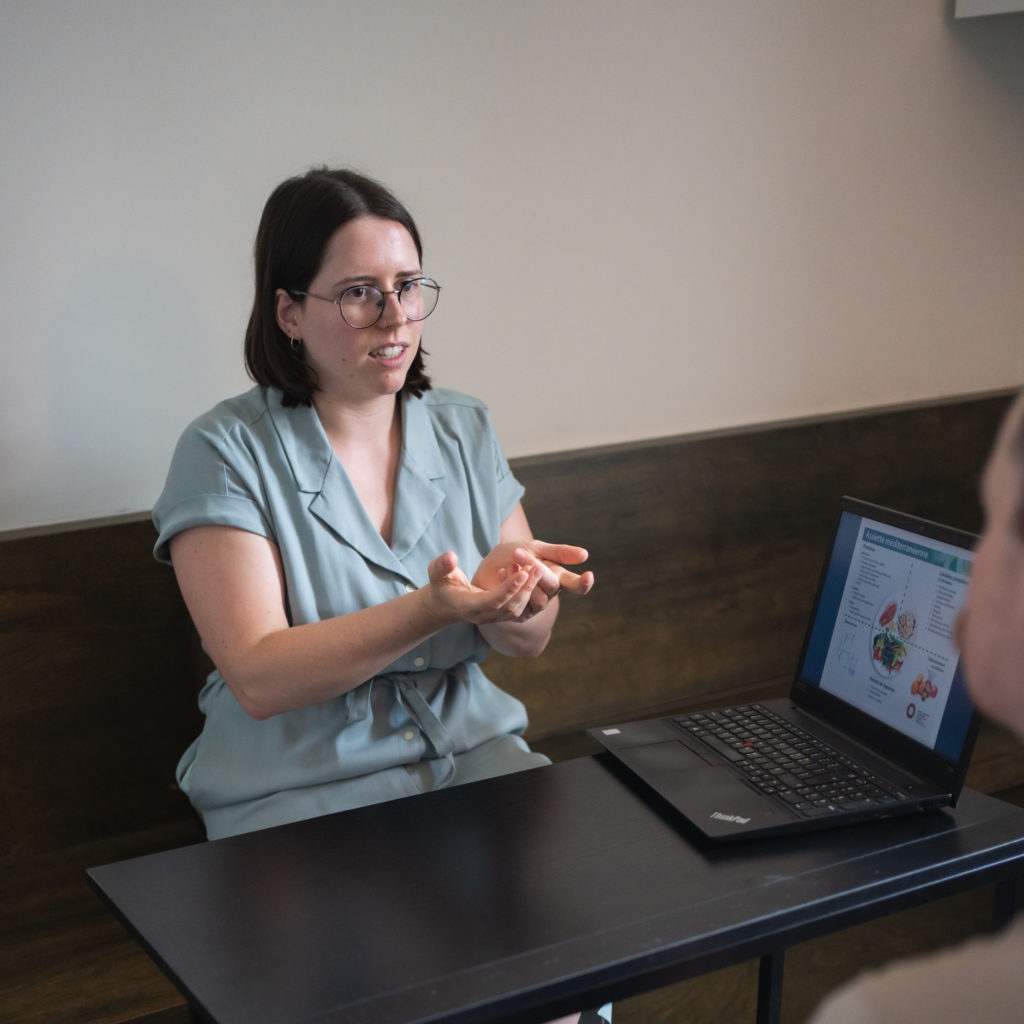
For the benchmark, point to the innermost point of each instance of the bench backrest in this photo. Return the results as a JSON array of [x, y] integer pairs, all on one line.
[[707, 551]]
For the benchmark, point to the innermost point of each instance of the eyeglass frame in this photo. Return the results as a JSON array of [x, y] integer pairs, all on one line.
[[391, 291]]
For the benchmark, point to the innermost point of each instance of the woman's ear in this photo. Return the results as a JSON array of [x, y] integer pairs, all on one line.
[[289, 314]]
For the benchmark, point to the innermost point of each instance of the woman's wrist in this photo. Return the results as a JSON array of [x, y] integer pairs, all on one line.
[[434, 613]]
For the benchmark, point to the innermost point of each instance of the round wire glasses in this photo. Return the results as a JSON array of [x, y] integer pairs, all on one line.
[[362, 305]]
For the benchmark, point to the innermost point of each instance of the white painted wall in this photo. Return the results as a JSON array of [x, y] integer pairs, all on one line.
[[649, 218]]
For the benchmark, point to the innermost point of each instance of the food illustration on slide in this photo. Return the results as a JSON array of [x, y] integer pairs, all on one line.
[[889, 651], [892, 648], [893, 628], [923, 688]]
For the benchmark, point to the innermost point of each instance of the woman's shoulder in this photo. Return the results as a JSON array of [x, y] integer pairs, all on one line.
[[244, 410], [452, 414], [238, 430], [241, 415], [444, 406], [442, 399]]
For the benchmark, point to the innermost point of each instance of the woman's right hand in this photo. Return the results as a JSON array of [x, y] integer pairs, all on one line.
[[453, 598]]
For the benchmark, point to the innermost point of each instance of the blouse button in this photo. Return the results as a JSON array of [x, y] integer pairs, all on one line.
[[411, 588], [419, 661], [409, 734]]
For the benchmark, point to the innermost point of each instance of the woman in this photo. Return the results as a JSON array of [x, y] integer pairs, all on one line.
[[349, 542]]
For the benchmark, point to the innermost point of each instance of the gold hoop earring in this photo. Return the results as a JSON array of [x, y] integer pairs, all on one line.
[[296, 344]]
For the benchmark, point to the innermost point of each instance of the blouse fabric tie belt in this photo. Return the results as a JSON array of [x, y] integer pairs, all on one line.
[[408, 690]]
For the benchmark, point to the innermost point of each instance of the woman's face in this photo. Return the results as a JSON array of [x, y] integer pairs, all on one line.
[[358, 366]]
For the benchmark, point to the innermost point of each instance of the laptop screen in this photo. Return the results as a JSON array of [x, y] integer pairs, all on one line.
[[882, 635]]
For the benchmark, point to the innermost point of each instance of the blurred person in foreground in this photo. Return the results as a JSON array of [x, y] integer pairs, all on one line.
[[981, 981]]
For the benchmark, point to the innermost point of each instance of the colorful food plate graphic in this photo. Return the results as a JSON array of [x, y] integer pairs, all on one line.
[[893, 627], [898, 606]]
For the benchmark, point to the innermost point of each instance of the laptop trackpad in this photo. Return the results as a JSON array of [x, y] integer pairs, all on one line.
[[670, 756]]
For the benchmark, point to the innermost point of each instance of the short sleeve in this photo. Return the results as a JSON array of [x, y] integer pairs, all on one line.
[[204, 488], [510, 490]]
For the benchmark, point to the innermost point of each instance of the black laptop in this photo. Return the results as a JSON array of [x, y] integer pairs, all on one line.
[[878, 721]]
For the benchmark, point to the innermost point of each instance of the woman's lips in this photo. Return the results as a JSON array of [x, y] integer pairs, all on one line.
[[388, 353]]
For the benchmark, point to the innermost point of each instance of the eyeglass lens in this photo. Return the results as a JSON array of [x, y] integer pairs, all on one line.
[[363, 305]]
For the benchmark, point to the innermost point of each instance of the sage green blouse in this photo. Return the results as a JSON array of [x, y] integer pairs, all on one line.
[[432, 718]]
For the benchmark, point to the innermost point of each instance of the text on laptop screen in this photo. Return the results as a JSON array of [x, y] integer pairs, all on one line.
[[882, 638]]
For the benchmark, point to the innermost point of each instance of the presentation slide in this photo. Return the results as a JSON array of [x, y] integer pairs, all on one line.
[[892, 653]]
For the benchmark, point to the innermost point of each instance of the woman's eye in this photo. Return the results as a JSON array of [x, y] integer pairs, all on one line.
[[358, 293]]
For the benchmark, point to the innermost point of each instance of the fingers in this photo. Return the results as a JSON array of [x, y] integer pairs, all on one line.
[[555, 577], [442, 566], [512, 598], [578, 585], [517, 583], [565, 580], [531, 578], [553, 580], [564, 554], [539, 600]]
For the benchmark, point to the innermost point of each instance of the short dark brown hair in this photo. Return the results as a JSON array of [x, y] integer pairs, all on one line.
[[299, 219]]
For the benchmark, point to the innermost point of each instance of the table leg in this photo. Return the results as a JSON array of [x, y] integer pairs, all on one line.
[[769, 987], [1009, 899]]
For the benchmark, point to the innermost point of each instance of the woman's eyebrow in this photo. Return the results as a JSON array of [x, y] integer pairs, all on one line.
[[347, 282]]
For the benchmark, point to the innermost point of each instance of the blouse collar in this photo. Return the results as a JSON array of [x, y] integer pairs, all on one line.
[[319, 473]]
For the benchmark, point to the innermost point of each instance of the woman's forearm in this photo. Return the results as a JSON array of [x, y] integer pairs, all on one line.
[[298, 666], [233, 585], [522, 639]]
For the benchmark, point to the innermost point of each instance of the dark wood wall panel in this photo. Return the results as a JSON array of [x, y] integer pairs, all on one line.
[[97, 699], [706, 551]]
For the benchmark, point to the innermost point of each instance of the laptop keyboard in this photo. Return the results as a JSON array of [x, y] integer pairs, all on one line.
[[782, 760]]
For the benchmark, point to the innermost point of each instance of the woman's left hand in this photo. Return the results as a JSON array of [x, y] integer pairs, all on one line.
[[510, 557]]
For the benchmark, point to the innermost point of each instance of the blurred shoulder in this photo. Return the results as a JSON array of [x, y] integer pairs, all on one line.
[[978, 980]]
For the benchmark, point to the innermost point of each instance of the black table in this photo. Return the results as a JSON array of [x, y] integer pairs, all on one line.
[[522, 898]]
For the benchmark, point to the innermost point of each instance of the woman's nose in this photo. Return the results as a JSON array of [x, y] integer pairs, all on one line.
[[394, 311]]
